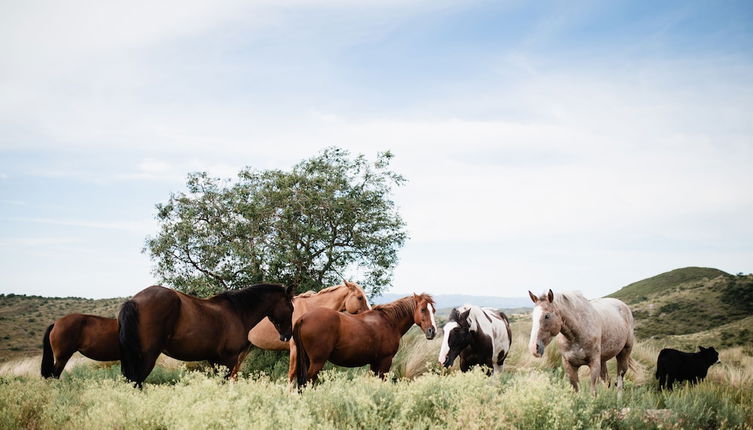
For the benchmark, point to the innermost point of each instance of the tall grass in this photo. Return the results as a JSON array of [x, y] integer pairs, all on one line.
[[532, 399], [530, 393]]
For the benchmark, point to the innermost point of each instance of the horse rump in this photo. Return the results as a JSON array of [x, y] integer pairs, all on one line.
[[301, 357], [130, 348], [48, 357]]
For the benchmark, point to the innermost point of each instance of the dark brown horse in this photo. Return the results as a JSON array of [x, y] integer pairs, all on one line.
[[371, 337], [160, 320], [93, 336]]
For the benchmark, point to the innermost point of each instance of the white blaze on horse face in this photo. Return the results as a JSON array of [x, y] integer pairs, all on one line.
[[445, 345], [535, 327], [431, 315]]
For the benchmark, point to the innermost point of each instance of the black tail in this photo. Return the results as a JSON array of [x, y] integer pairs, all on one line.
[[48, 358], [301, 358], [131, 362]]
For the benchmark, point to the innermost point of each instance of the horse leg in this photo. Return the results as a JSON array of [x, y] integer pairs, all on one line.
[[314, 368], [149, 360], [623, 363], [60, 361], [604, 374], [292, 362], [572, 373], [242, 356], [595, 368], [382, 367]]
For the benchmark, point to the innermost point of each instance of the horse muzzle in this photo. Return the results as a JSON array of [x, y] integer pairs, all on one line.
[[537, 350], [430, 333], [284, 338]]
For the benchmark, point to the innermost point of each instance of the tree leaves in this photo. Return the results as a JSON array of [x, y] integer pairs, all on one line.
[[329, 216]]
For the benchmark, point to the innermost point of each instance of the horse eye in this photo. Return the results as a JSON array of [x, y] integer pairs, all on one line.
[[546, 317]]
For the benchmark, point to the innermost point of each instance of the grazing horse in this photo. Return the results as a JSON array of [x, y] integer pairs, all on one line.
[[348, 297], [93, 336], [479, 335], [160, 320], [371, 337], [588, 333]]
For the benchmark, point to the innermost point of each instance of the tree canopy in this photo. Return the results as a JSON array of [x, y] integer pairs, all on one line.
[[330, 216]]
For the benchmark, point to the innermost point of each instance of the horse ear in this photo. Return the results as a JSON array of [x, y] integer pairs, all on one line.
[[290, 291], [550, 296], [533, 297], [463, 320], [700, 348]]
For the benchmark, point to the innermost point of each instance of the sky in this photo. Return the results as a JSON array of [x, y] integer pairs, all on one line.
[[564, 145]]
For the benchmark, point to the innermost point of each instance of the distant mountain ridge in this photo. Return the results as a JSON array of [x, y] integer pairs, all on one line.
[[452, 300]]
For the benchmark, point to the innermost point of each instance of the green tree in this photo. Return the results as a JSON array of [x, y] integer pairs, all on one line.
[[330, 215]]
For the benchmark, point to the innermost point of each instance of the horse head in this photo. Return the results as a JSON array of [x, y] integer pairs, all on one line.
[[356, 300], [281, 314], [547, 323], [423, 315], [457, 336]]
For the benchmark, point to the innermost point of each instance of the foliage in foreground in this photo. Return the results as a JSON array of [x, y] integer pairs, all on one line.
[[535, 399]]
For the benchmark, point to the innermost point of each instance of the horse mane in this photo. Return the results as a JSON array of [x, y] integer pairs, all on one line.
[[401, 308], [310, 293], [249, 296]]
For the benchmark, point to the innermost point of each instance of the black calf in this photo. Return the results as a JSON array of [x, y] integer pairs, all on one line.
[[673, 365]]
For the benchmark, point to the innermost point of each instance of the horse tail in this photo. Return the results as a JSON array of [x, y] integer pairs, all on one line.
[[301, 357], [130, 348], [48, 357]]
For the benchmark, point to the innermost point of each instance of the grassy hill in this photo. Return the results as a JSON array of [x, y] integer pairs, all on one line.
[[23, 319], [691, 301], [641, 290]]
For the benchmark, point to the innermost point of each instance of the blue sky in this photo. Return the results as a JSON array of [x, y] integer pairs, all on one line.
[[564, 145]]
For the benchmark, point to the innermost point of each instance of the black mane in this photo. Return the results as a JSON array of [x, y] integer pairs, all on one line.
[[249, 296]]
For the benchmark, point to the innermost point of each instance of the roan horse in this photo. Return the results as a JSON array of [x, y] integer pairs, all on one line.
[[93, 336], [479, 335], [371, 337], [160, 320], [348, 297], [588, 333]]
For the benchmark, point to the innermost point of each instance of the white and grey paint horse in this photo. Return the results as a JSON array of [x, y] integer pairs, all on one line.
[[588, 333], [479, 335]]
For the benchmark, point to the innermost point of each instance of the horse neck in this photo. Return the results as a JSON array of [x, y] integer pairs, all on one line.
[[250, 316], [574, 321], [400, 317], [332, 299]]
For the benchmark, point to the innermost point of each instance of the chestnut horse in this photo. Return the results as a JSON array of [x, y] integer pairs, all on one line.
[[371, 337], [348, 297], [588, 333], [160, 320], [93, 336]]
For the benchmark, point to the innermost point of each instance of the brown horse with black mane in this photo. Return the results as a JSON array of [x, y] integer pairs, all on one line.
[[160, 320], [93, 336], [370, 337]]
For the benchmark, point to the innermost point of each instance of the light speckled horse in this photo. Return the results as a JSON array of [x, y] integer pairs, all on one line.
[[588, 333]]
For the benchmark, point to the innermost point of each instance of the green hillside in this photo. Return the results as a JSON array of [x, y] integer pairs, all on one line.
[[640, 290], [23, 319], [691, 301]]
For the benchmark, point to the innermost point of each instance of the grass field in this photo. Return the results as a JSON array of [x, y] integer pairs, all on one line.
[[531, 393]]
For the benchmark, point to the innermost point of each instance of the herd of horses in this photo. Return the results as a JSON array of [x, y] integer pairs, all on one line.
[[336, 324]]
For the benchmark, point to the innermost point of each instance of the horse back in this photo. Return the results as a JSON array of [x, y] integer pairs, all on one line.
[[617, 324]]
